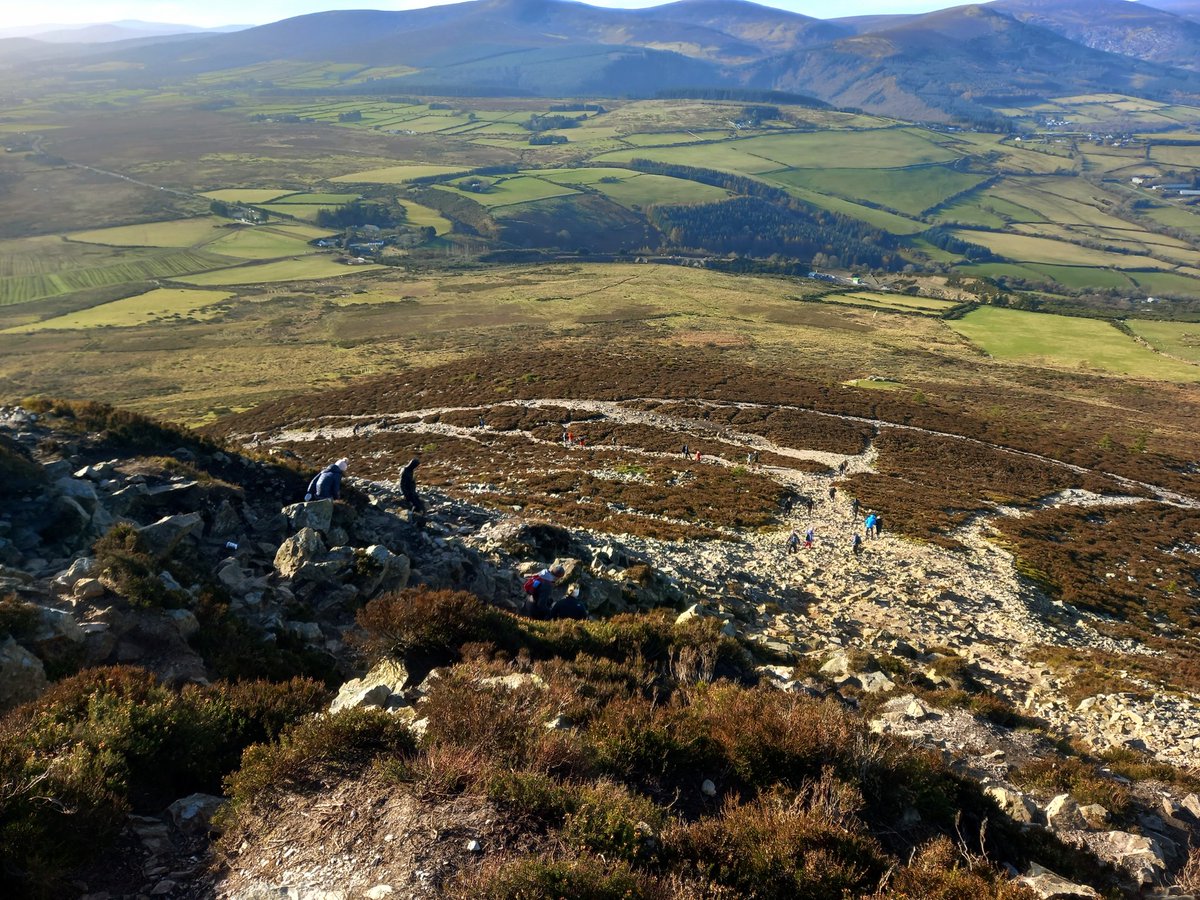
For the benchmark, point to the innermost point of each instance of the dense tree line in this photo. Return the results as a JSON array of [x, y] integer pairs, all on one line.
[[551, 122], [735, 184], [754, 226], [943, 239], [361, 212]]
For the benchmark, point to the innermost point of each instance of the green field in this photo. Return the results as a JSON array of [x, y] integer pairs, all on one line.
[[267, 241], [910, 191], [246, 195], [1178, 339], [1022, 248], [301, 269], [176, 233], [889, 301], [316, 199], [1085, 277], [397, 174], [166, 264], [155, 306], [1088, 345], [641, 190], [510, 191], [880, 218], [423, 216], [1166, 283]]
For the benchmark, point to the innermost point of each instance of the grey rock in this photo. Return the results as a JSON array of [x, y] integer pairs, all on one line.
[[1019, 807], [193, 814], [1139, 855], [163, 535], [84, 567], [87, 589], [373, 689], [1062, 814], [1049, 886], [301, 549], [22, 675], [1095, 815], [83, 492], [707, 788], [315, 514], [57, 626], [185, 622]]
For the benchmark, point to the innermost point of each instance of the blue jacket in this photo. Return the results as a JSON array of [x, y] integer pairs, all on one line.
[[327, 483]]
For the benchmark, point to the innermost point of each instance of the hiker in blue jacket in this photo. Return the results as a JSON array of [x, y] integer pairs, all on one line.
[[327, 484]]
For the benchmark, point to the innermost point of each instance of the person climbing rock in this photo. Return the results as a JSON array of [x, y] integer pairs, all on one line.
[[869, 525], [832, 491], [809, 537], [856, 544], [793, 542], [540, 591], [408, 485], [569, 606], [327, 484], [809, 501], [878, 524], [854, 508]]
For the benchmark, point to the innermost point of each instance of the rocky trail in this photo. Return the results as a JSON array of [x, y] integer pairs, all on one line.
[[896, 592]]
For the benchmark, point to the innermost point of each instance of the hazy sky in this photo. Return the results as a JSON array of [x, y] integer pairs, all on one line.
[[255, 12]]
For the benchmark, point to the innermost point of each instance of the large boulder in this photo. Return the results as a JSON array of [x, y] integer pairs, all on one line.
[[1049, 886], [1062, 814], [1019, 807], [387, 679], [315, 514], [193, 814], [303, 548], [379, 569], [1141, 856], [162, 536], [22, 675], [84, 567]]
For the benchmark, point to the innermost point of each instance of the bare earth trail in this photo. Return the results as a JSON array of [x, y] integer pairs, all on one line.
[[818, 600]]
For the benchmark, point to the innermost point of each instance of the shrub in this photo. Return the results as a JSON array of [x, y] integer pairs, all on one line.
[[782, 845], [129, 431], [18, 618], [133, 570], [609, 820], [19, 475], [316, 752], [937, 872], [555, 878], [110, 741], [1080, 778], [424, 624]]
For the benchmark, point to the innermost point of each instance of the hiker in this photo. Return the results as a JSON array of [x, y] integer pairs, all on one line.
[[697, 456], [809, 501], [854, 508], [793, 542], [869, 525], [685, 451], [843, 466], [327, 484], [787, 505], [540, 591], [856, 544], [809, 537], [878, 524], [832, 491], [569, 606], [482, 423], [749, 459], [408, 485]]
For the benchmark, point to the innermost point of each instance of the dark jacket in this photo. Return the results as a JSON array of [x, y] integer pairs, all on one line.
[[327, 484]]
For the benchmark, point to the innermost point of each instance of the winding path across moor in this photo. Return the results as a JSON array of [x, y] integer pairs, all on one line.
[[972, 602]]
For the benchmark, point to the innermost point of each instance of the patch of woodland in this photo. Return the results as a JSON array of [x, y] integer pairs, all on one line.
[[594, 740]]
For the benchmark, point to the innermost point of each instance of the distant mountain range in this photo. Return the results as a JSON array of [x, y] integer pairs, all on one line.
[[107, 32], [938, 66]]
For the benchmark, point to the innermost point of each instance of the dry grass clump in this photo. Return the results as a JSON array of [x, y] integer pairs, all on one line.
[[111, 741], [1079, 777]]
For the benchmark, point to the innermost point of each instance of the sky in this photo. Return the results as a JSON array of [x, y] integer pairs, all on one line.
[[210, 13]]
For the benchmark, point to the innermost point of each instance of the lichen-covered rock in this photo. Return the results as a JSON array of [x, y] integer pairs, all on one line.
[[163, 535], [314, 514], [385, 679], [1062, 814], [22, 675], [303, 548]]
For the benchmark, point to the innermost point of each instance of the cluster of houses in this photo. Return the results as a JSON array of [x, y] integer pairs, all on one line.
[[1174, 189]]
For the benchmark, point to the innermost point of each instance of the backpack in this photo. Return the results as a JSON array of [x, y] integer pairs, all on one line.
[[312, 488], [532, 583]]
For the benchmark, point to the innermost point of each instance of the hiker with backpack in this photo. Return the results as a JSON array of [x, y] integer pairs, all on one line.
[[793, 542], [327, 484], [539, 592]]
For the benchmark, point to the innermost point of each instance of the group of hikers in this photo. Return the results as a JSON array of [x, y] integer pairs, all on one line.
[[540, 601], [872, 526]]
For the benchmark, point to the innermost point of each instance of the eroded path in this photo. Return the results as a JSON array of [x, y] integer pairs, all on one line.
[[972, 602]]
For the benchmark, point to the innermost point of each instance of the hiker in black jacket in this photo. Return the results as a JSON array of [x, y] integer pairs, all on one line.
[[408, 485]]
